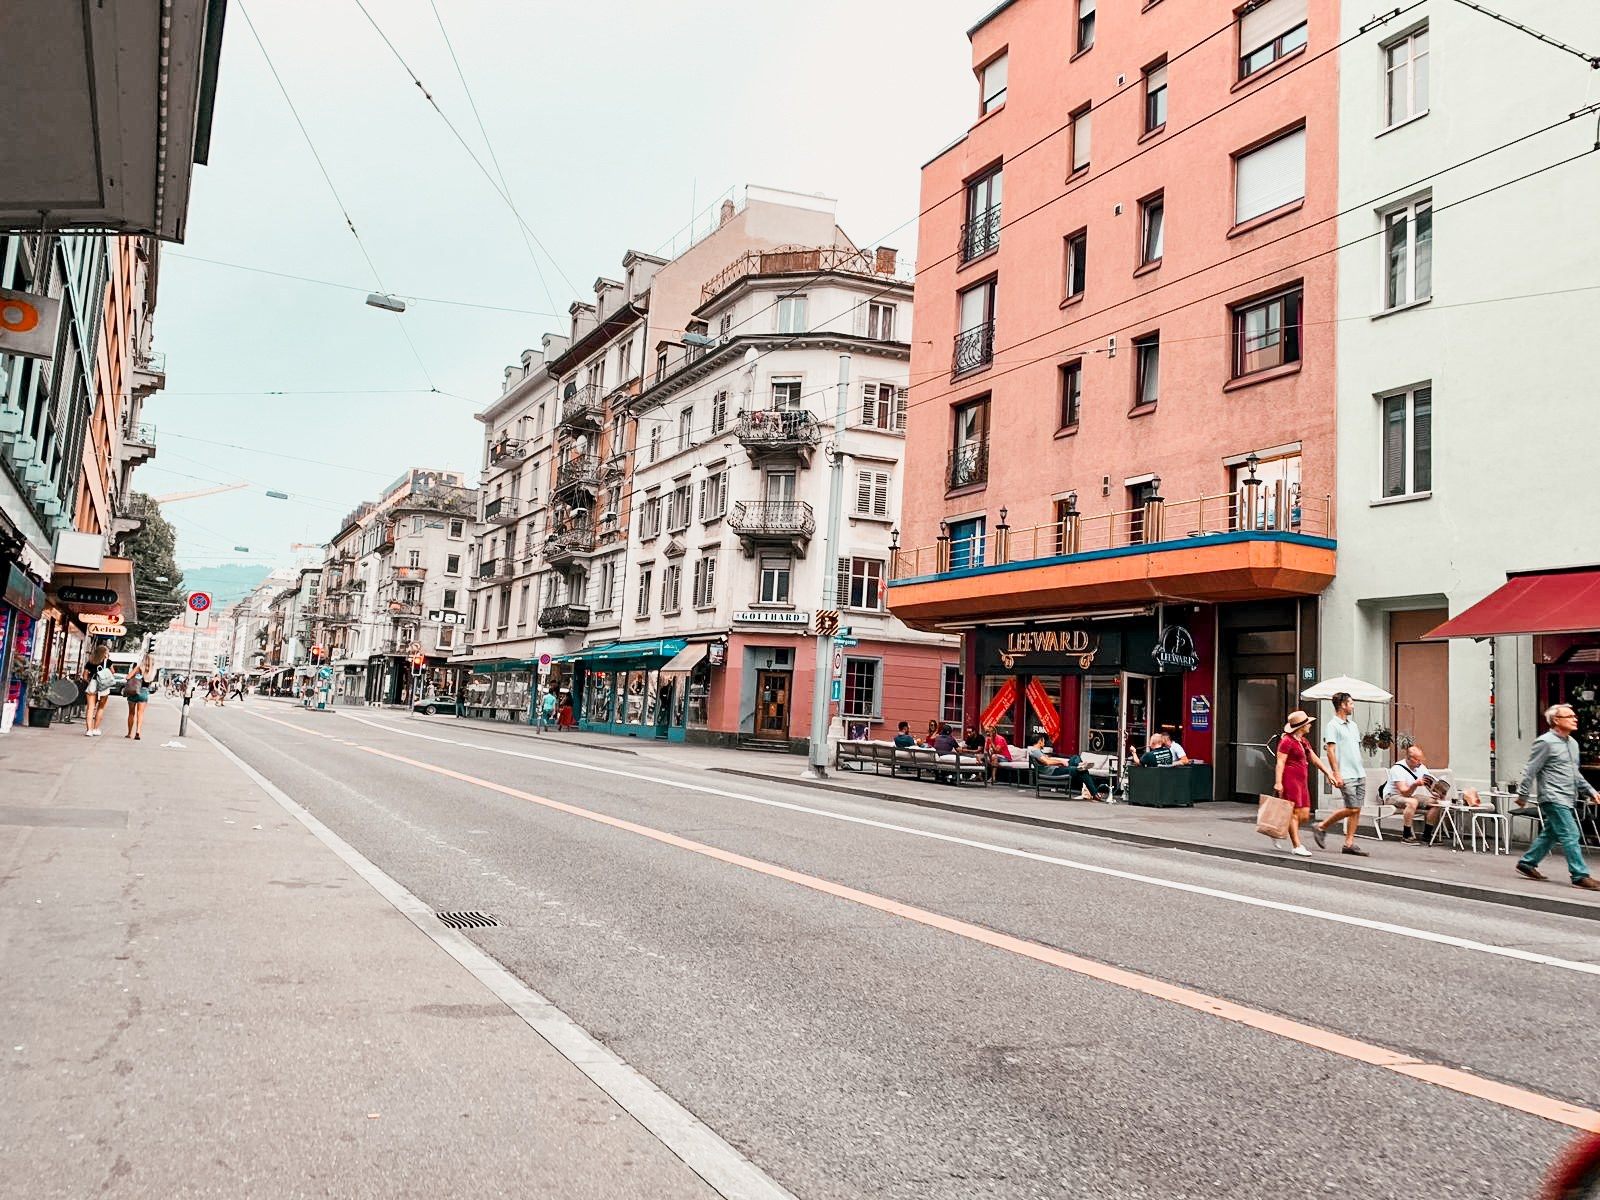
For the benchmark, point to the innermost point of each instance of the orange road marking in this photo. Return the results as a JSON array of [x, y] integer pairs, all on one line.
[[1451, 1078]]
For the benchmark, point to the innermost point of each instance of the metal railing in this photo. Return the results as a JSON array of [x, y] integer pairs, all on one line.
[[974, 348], [1262, 508], [506, 450], [582, 471], [777, 428], [564, 616], [501, 510], [141, 432], [494, 568], [773, 518], [980, 234], [791, 260], [567, 540], [968, 464], [582, 408]]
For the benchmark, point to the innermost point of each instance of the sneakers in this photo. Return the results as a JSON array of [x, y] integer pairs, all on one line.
[[1321, 834], [1531, 872], [1356, 850], [1409, 837], [1300, 852]]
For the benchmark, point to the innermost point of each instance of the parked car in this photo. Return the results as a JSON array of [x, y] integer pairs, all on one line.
[[429, 705]]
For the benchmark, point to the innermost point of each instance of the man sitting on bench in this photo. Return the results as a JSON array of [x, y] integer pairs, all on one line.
[[1050, 767]]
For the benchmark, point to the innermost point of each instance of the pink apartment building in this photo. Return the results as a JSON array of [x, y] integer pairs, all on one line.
[[1121, 426]]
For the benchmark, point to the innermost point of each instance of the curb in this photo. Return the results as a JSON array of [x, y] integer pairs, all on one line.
[[489, 727], [1462, 891]]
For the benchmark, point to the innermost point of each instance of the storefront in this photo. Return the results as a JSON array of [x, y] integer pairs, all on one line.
[[501, 691], [21, 602], [636, 689]]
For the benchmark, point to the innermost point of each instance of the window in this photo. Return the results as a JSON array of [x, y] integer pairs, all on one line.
[[1147, 370], [1085, 39], [445, 639], [952, 696], [981, 233], [992, 84], [645, 574], [725, 326], [413, 558], [1269, 31], [458, 527], [1152, 229], [505, 608], [1155, 96], [619, 432], [1405, 75], [522, 606], [775, 580], [861, 688], [1271, 488], [452, 565], [449, 599], [872, 493], [792, 314], [661, 365], [686, 428], [778, 487], [719, 413], [655, 441], [1408, 254], [1077, 263], [672, 588], [650, 518], [1071, 392], [606, 591], [880, 322], [1269, 176], [883, 406], [678, 508], [1080, 139], [860, 583], [1266, 333], [966, 543], [713, 496], [538, 422], [1408, 443], [969, 452], [705, 580], [786, 393], [975, 341]]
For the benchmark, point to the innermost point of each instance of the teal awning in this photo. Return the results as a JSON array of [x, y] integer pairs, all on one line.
[[502, 666], [617, 652]]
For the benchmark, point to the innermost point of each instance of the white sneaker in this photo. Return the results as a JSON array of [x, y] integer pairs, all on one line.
[[1277, 843], [88, 733], [1300, 852]]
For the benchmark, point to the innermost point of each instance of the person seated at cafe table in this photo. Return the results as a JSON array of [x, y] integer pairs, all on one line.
[[1156, 753], [1180, 757], [933, 732], [943, 741], [1051, 767], [903, 739], [1410, 786]]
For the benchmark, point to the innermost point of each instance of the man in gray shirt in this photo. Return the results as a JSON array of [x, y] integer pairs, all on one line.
[[1554, 763]]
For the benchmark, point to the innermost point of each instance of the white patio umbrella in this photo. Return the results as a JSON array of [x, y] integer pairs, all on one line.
[[1358, 689]]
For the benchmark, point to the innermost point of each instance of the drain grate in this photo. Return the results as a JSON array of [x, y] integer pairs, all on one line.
[[471, 919]]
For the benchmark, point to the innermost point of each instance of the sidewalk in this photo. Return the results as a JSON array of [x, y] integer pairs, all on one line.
[[200, 998], [1223, 830]]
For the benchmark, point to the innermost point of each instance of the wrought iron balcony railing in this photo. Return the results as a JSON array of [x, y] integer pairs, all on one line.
[[775, 429], [969, 464], [974, 348], [981, 234], [507, 451], [567, 541], [582, 472], [773, 519], [561, 617], [502, 510], [582, 409]]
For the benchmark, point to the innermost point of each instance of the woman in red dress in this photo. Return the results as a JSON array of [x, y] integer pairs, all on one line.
[[1295, 752]]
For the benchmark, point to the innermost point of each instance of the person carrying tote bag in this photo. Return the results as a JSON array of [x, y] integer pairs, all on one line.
[[1295, 756]]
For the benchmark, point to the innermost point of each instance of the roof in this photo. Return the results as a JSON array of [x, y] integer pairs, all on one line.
[[990, 15]]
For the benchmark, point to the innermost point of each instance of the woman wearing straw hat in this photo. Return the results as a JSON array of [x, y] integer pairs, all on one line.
[[1295, 752]]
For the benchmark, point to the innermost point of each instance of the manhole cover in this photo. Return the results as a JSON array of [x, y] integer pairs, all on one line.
[[468, 920]]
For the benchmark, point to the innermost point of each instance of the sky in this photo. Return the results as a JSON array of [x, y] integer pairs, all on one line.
[[614, 123]]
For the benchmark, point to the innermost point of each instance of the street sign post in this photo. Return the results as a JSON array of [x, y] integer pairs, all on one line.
[[199, 604]]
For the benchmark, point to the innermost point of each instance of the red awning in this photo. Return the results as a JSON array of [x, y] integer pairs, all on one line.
[[1539, 602]]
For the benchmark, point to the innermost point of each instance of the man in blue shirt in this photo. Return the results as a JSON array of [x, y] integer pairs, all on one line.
[[1554, 764], [903, 740], [1343, 741]]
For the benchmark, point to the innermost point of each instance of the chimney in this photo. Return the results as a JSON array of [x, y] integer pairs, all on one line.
[[886, 260], [726, 214]]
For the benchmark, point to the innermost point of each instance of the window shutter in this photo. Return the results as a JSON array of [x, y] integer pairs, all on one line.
[[1270, 177], [701, 502], [869, 405], [1080, 140], [1394, 446], [841, 596], [1156, 79], [901, 396], [1268, 22], [880, 494], [864, 492], [1422, 441]]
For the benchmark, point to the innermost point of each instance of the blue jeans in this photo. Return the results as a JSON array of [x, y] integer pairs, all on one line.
[[1560, 826]]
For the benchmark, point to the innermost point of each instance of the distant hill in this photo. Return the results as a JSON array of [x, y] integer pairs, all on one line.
[[227, 583]]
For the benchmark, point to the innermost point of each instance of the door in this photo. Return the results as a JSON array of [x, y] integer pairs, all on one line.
[[1260, 703], [1137, 694], [772, 705], [1102, 720]]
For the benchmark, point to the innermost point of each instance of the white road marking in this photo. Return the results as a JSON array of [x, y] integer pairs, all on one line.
[[1424, 935], [702, 1150]]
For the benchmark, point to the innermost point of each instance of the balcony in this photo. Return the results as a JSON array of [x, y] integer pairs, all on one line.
[[508, 452], [149, 375], [403, 606], [1215, 549], [567, 541], [968, 465], [401, 574], [502, 510], [579, 474], [766, 522], [495, 570], [778, 432], [386, 536], [980, 235], [974, 348], [138, 442], [564, 618], [582, 410], [880, 264]]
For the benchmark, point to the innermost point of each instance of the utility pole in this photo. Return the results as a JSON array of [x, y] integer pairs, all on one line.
[[188, 678], [817, 767]]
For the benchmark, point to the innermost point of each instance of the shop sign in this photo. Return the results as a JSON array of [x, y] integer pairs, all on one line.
[[717, 653], [22, 593], [443, 616], [1175, 651], [1200, 713], [28, 324], [1058, 649], [107, 629], [764, 616], [85, 595]]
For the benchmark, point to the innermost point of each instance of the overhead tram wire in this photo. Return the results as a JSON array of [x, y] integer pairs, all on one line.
[[449, 124], [488, 145], [316, 462], [1592, 59], [328, 179]]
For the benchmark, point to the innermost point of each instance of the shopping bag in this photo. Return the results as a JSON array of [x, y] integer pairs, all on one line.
[[1272, 818]]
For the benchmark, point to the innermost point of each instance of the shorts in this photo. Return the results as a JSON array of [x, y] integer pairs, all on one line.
[[1353, 794], [139, 698]]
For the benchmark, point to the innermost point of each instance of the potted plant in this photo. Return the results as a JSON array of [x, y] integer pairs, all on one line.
[[40, 711]]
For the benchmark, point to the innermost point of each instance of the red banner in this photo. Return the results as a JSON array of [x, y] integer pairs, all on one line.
[[1049, 717], [1003, 700]]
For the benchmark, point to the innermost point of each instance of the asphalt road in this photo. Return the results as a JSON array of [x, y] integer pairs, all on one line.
[[878, 1001]]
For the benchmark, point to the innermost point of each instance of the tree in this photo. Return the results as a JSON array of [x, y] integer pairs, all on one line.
[[152, 549]]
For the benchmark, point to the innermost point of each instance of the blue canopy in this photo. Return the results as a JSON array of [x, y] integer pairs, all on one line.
[[616, 652]]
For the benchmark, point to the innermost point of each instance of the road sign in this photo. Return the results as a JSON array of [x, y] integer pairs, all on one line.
[[544, 660], [199, 601], [841, 640], [838, 690]]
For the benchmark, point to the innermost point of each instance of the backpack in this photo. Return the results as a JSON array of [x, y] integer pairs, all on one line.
[[134, 685]]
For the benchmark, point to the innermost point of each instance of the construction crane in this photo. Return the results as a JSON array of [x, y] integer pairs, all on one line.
[[174, 497], [308, 545]]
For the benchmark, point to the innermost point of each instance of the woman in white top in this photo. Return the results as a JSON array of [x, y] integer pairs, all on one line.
[[97, 690]]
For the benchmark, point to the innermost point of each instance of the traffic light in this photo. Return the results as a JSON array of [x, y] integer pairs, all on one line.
[[418, 661]]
